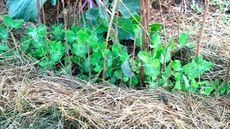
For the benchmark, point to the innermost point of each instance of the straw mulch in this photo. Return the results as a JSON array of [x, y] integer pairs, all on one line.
[[28, 100], [215, 42]]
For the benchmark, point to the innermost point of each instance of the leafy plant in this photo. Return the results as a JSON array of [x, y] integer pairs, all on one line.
[[195, 7], [87, 52], [221, 4]]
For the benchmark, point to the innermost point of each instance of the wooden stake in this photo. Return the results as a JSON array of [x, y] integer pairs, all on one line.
[[145, 23], [202, 28]]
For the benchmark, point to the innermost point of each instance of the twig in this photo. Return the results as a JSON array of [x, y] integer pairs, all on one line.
[[202, 28], [58, 6], [46, 39], [66, 38], [145, 40], [108, 35]]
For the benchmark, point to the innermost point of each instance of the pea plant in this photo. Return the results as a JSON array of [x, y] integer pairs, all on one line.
[[87, 50]]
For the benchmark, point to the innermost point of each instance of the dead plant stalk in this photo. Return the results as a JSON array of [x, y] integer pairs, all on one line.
[[108, 35], [202, 28]]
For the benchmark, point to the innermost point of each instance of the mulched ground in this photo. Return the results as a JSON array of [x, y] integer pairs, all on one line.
[[30, 99]]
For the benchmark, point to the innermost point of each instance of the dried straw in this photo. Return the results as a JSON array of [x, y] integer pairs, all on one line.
[[30, 99]]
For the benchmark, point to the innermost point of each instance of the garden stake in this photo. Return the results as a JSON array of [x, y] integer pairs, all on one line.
[[107, 37], [202, 28], [46, 39], [66, 38], [58, 6], [145, 21]]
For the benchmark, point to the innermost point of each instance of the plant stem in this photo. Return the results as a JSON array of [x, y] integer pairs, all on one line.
[[58, 6], [108, 35], [66, 38], [145, 21], [46, 39], [202, 28]]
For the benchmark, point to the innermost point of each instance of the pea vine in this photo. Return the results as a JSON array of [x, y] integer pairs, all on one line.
[[87, 51]]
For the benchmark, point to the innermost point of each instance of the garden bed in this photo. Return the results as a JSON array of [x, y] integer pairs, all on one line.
[[31, 100]]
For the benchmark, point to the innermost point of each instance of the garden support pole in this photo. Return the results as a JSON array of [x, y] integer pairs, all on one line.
[[145, 23], [202, 28]]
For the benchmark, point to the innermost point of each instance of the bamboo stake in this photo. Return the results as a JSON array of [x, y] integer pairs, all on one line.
[[202, 28], [46, 39], [145, 21], [66, 38], [108, 35]]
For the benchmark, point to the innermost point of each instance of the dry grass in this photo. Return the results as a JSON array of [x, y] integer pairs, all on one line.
[[30, 100], [2, 7], [215, 41]]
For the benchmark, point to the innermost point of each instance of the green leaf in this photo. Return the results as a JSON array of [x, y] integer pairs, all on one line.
[[57, 32], [97, 68], [102, 11], [9, 22], [178, 76], [92, 14], [183, 38], [4, 34], [154, 27], [138, 34], [44, 63], [167, 73], [129, 7], [134, 81], [155, 41], [116, 49], [40, 52], [176, 65], [143, 56], [125, 28], [109, 59], [56, 51], [165, 55], [186, 82], [96, 58], [37, 35], [194, 83], [117, 74], [82, 36], [18, 24], [152, 84], [93, 41], [178, 86], [152, 68], [126, 69], [196, 68], [120, 51], [206, 90], [125, 79], [79, 49], [3, 47], [71, 36], [124, 55]]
